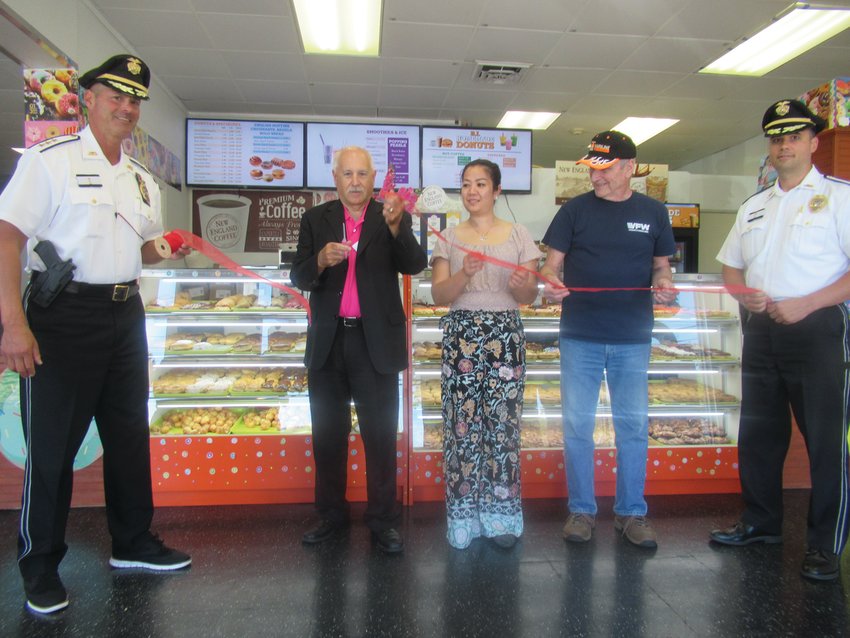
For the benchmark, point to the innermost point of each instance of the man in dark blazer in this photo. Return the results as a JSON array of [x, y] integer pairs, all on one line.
[[350, 253]]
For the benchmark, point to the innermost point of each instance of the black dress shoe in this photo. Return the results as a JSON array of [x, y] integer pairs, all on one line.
[[505, 541], [742, 534], [324, 531], [388, 541], [820, 564]]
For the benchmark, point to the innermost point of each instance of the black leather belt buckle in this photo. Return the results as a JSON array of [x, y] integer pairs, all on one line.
[[120, 292], [351, 322]]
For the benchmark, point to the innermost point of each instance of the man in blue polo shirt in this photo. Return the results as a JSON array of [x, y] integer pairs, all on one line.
[[610, 237]]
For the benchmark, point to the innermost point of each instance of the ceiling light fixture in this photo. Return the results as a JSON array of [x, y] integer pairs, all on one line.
[[340, 27], [537, 120], [797, 29], [641, 129]]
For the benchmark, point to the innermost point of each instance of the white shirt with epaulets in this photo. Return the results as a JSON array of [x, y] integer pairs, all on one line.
[[792, 243], [96, 214]]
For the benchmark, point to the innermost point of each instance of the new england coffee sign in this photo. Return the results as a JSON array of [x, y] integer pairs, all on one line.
[[250, 221]]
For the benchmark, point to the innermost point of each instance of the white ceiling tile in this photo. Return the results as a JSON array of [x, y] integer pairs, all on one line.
[[194, 88], [165, 61], [243, 7], [551, 102], [438, 42], [276, 92], [636, 83], [159, 28], [254, 33], [727, 20], [508, 45], [334, 68], [411, 97], [421, 72], [465, 12], [344, 94], [345, 111], [559, 79], [626, 18], [281, 67], [471, 99], [673, 54], [165, 5], [544, 15], [415, 115], [595, 51]]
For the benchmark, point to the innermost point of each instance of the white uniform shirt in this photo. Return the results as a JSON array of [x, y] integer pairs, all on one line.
[[96, 214], [793, 243]]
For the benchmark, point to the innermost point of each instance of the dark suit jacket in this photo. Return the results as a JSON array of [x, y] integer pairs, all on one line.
[[380, 259]]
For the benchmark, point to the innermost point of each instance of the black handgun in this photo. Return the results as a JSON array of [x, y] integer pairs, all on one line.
[[46, 285]]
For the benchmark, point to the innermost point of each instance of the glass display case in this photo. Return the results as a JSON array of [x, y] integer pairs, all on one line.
[[694, 395], [229, 411]]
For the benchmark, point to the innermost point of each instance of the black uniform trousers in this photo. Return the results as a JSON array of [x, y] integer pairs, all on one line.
[[805, 365], [94, 354], [348, 374]]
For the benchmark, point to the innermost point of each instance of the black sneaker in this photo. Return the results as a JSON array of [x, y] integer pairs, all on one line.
[[45, 593], [150, 554]]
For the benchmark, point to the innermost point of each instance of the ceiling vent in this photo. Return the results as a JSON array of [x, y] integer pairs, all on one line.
[[500, 72]]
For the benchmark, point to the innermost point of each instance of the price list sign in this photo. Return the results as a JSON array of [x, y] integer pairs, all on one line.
[[239, 153]]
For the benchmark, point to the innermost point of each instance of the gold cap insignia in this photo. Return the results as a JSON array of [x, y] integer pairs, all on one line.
[[782, 108], [818, 203], [134, 65]]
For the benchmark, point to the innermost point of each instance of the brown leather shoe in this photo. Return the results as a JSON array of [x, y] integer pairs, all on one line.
[[637, 530], [579, 527]]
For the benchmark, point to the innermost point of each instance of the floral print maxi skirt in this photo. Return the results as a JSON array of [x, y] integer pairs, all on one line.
[[483, 375]]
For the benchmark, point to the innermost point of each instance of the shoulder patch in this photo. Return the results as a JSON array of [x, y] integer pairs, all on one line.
[[837, 179], [53, 142], [140, 165]]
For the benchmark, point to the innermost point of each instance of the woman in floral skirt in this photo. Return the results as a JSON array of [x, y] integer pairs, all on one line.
[[483, 362]]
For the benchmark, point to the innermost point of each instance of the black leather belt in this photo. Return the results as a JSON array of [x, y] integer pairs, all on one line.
[[110, 292], [351, 322]]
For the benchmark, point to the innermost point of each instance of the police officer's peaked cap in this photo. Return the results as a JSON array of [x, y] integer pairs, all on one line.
[[124, 73], [788, 116]]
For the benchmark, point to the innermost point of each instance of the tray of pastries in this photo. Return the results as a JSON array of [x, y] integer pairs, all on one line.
[[686, 431], [183, 302], [196, 421], [675, 391], [687, 352]]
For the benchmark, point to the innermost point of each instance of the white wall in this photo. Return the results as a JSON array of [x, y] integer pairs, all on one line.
[[77, 31]]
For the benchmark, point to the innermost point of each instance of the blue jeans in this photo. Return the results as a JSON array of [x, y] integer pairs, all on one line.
[[583, 364]]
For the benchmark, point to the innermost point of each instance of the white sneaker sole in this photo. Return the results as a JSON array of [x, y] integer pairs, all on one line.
[[47, 610], [127, 564]]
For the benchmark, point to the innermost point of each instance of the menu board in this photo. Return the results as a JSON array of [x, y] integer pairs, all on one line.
[[387, 143], [445, 151], [244, 153]]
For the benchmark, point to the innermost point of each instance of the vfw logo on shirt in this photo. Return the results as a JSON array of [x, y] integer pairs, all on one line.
[[637, 227]]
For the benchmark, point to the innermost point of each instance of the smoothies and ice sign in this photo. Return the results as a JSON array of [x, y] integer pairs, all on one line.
[[250, 221], [445, 151], [387, 144]]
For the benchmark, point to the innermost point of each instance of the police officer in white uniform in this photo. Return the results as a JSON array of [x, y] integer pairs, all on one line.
[[81, 348], [791, 244]]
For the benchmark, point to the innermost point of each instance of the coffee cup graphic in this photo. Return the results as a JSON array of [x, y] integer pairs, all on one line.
[[224, 220]]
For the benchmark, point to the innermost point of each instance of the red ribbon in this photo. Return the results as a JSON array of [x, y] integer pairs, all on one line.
[[408, 200], [196, 243]]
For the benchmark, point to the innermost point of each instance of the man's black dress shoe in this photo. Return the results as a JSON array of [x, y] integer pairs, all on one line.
[[742, 534], [324, 531], [820, 564], [388, 541]]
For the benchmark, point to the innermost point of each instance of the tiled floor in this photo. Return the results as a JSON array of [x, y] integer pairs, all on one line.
[[252, 577]]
